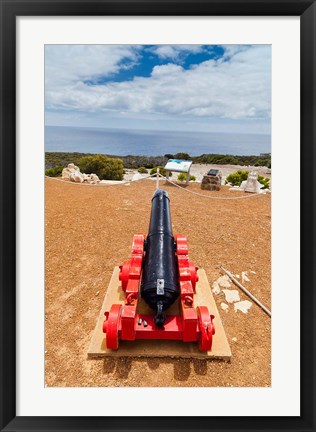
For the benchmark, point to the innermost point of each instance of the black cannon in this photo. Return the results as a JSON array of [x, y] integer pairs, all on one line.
[[160, 279], [160, 272]]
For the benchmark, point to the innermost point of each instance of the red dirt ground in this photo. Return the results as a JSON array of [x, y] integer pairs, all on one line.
[[89, 230]]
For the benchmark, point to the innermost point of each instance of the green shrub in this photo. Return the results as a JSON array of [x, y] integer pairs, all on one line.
[[264, 181], [237, 178], [54, 172], [182, 155], [142, 170], [104, 167], [182, 177], [162, 171], [149, 165]]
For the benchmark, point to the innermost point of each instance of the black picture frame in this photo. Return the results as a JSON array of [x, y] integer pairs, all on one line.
[[10, 9]]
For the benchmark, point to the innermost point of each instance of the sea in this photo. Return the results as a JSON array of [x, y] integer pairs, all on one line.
[[121, 142]]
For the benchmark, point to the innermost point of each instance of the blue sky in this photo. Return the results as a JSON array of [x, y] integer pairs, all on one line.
[[202, 88]]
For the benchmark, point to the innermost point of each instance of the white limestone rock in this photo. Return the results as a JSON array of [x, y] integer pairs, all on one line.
[[243, 306], [224, 281], [72, 172], [244, 277], [224, 306], [91, 178], [231, 296], [76, 177], [94, 178], [216, 289], [70, 169]]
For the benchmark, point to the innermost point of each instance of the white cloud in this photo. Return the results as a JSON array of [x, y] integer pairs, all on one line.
[[68, 64], [173, 52], [169, 69], [236, 87], [231, 50]]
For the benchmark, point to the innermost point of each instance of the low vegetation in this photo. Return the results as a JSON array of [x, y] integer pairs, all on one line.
[[264, 159], [104, 167], [182, 177], [235, 179], [265, 181], [54, 172], [142, 170], [62, 159]]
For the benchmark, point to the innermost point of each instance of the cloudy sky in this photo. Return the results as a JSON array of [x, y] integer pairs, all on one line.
[[205, 88]]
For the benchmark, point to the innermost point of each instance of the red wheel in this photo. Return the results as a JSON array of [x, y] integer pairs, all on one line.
[[112, 323], [206, 327]]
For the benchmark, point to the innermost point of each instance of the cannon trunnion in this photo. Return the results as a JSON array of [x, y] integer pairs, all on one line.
[[160, 272]]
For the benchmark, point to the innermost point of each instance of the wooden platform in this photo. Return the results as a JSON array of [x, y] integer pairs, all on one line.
[[159, 348]]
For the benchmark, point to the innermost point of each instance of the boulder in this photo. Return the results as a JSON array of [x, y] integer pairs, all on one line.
[[70, 169], [76, 177], [72, 172], [91, 178], [94, 179]]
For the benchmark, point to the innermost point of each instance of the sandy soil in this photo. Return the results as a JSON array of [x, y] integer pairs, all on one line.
[[89, 230]]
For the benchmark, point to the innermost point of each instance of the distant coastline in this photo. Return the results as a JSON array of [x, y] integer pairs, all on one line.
[[122, 142]]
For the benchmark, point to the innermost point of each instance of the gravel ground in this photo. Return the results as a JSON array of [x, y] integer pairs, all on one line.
[[89, 230]]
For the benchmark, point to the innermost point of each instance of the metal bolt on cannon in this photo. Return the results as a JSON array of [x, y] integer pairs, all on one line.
[[160, 272]]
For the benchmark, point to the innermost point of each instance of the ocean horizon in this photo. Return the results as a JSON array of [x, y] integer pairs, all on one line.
[[121, 142]]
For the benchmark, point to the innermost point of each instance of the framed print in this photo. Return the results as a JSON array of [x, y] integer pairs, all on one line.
[[152, 87]]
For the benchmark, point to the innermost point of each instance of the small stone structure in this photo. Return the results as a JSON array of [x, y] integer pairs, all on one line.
[[251, 184], [212, 180], [72, 172]]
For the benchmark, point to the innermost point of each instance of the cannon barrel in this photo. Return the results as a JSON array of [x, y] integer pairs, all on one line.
[[160, 277]]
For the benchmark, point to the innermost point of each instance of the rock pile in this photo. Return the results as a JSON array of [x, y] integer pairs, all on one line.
[[222, 286], [72, 172]]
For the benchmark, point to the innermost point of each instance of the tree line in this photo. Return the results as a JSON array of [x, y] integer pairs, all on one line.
[[62, 159]]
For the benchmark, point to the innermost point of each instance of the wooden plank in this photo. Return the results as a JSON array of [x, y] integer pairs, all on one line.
[[159, 348]]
